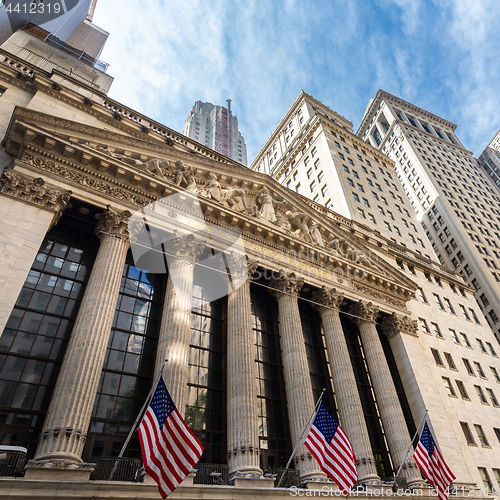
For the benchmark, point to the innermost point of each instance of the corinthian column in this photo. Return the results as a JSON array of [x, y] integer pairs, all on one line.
[[388, 404], [65, 427], [346, 390], [175, 326], [394, 326], [299, 393], [242, 412]]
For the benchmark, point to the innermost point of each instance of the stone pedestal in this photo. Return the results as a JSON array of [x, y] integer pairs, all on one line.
[[65, 428], [350, 410], [242, 412], [48, 470], [296, 369], [247, 480], [175, 327], [393, 420]]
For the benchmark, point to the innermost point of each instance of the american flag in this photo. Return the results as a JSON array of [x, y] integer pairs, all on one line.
[[169, 448], [331, 448], [431, 463]]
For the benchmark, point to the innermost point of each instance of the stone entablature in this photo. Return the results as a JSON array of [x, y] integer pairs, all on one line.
[[263, 215]]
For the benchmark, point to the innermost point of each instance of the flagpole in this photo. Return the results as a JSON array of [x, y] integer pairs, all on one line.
[[129, 437], [301, 437], [411, 442]]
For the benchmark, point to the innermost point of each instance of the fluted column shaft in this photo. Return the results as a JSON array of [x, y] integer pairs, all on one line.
[[65, 427], [175, 326], [299, 393], [242, 411], [344, 383], [388, 403]]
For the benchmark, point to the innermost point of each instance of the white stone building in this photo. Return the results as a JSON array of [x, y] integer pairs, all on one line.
[[315, 152]]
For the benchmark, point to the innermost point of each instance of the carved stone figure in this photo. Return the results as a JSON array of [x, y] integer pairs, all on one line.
[[340, 246], [298, 222], [317, 239], [267, 204], [235, 198], [213, 188], [156, 166], [185, 175]]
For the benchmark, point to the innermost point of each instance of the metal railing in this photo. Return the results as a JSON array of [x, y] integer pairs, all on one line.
[[126, 469], [291, 477], [12, 462], [212, 474]]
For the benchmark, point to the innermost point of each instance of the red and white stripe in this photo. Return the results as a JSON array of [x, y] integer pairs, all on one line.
[[336, 458], [435, 469], [169, 452]]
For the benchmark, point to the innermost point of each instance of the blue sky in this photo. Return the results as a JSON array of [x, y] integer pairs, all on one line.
[[442, 55]]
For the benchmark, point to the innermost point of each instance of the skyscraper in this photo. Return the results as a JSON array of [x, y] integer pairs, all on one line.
[[490, 159], [458, 202], [217, 128]]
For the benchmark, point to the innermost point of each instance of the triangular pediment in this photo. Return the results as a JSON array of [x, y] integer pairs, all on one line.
[[114, 167]]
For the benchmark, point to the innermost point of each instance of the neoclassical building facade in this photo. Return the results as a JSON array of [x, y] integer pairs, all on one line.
[[315, 303]]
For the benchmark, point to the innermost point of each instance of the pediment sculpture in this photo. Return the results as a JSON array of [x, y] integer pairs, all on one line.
[[155, 166]]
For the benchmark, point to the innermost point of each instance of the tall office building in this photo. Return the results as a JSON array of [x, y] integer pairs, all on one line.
[[490, 159], [217, 128], [314, 152], [458, 203]]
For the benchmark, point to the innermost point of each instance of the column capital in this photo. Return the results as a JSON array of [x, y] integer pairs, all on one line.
[[113, 222], [397, 324], [286, 283], [327, 298], [35, 192], [364, 311], [184, 248], [241, 265]]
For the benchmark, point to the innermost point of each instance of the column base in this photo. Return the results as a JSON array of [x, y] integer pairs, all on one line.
[[367, 478], [253, 480], [48, 470], [319, 483]]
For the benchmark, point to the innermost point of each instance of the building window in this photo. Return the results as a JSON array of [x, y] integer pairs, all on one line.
[[437, 331], [449, 306], [479, 369], [481, 435], [480, 394], [312, 186], [437, 357], [450, 361], [448, 386], [481, 346], [462, 390], [467, 433], [356, 197], [422, 295], [485, 477], [438, 301], [466, 339], [492, 397], [464, 311], [324, 190], [468, 367], [455, 336], [362, 213], [496, 376], [309, 173]]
